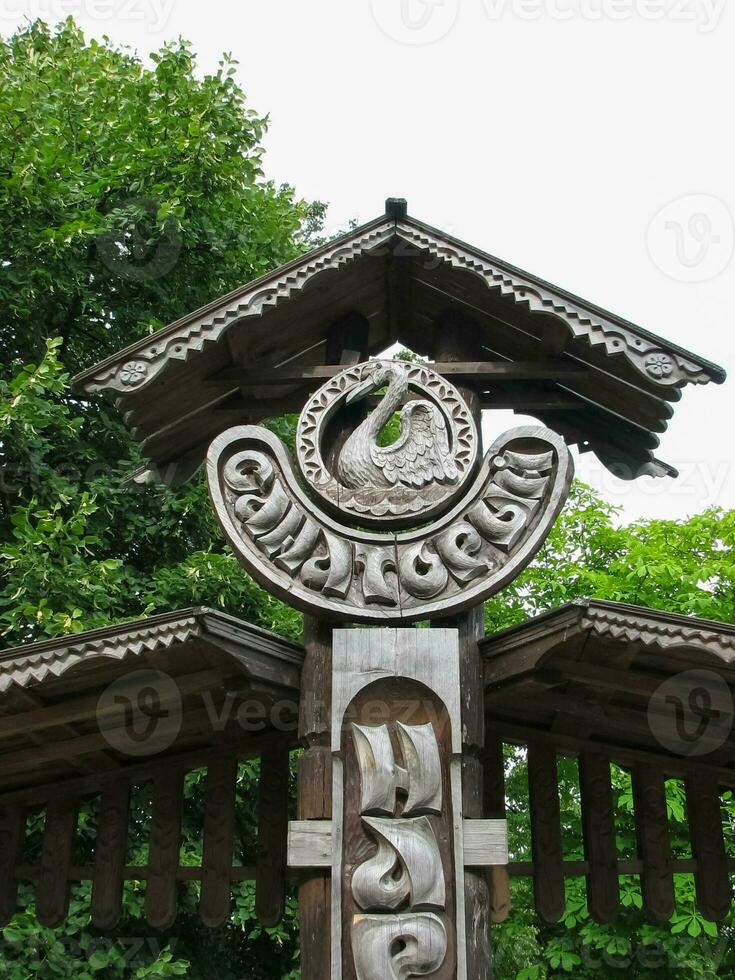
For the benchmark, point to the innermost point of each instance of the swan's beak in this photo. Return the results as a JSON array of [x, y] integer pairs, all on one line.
[[362, 391]]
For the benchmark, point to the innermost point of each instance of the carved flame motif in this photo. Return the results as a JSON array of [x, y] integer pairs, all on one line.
[[321, 566], [406, 872], [414, 478]]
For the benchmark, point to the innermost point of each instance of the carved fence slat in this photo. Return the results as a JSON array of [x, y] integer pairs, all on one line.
[[654, 848], [494, 806], [219, 828], [598, 828], [163, 854], [52, 899], [12, 830], [109, 855], [546, 843], [270, 886], [712, 880]]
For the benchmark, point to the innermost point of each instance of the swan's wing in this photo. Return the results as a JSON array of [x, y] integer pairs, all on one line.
[[421, 453]]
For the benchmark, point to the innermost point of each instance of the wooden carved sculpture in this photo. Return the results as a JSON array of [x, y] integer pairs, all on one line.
[[475, 525]]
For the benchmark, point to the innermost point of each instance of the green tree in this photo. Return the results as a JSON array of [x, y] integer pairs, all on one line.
[[129, 196]]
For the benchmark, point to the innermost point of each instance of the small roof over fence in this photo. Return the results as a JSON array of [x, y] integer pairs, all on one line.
[[599, 681], [604, 383]]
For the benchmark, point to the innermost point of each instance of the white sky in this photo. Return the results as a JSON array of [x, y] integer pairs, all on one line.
[[551, 133]]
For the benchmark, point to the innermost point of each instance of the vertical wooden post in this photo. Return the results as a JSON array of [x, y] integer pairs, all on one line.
[[712, 880], [347, 343], [456, 340], [163, 850], [12, 831], [598, 829], [270, 874], [109, 855], [315, 793], [494, 793], [654, 846], [219, 834], [546, 844], [52, 900]]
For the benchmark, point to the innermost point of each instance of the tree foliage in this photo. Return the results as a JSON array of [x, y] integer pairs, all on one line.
[[129, 196]]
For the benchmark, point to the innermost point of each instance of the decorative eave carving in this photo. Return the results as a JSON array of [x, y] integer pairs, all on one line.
[[35, 663], [651, 356], [615, 621], [137, 367]]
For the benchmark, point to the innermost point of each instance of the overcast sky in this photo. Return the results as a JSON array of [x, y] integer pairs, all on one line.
[[587, 141]]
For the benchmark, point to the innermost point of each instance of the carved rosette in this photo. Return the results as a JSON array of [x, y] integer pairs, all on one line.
[[402, 502], [322, 566]]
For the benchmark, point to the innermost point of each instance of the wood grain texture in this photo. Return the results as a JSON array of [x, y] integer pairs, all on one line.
[[494, 807], [109, 855], [219, 830], [654, 848], [310, 844], [598, 829], [712, 879], [315, 793], [163, 854], [12, 831], [485, 843], [54, 883], [270, 886], [546, 843]]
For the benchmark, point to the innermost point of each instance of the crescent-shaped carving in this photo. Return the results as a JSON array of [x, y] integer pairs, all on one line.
[[304, 556]]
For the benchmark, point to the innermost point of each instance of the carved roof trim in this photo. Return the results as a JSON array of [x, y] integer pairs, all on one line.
[[660, 362], [34, 663], [598, 326], [619, 622], [137, 366]]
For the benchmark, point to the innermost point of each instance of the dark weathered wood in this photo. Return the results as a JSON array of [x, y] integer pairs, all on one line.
[[315, 793], [455, 350], [244, 748], [475, 371], [712, 879], [598, 829], [270, 886], [110, 851], [654, 849], [163, 853], [54, 883], [12, 830], [219, 833], [546, 843], [494, 808]]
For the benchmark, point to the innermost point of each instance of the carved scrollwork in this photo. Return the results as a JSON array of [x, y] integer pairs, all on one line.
[[311, 560], [398, 947]]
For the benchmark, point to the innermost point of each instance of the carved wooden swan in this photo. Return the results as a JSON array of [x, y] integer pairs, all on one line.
[[420, 456]]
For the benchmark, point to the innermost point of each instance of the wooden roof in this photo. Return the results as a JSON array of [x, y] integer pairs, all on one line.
[[605, 384], [57, 727], [598, 674]]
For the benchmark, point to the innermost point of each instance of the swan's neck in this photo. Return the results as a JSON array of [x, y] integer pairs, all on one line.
[[388, 403]]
